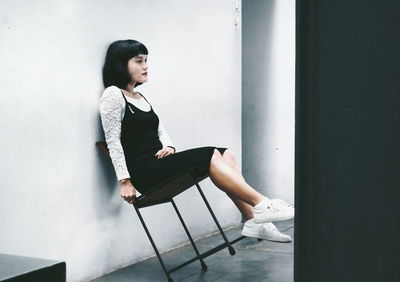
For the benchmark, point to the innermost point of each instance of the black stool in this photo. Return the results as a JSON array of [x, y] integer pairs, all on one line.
[[164, 193]]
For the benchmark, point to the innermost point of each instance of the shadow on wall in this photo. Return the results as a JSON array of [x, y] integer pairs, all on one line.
[[106, 185], [258, 20]]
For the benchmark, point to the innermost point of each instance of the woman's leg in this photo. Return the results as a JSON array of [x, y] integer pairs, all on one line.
[[244, 208], [270, 232], [230, 181]]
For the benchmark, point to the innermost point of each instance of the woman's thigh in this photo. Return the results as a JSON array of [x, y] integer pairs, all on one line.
[[154, 171]]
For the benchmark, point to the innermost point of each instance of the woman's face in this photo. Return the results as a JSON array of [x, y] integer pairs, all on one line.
[[137, 68]]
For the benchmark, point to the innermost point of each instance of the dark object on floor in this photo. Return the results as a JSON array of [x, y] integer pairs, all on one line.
[[15, 268], [164, 193]]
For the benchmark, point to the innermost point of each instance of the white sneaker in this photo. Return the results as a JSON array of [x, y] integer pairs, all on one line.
[[268, 210], [266, 231], [283, 205]]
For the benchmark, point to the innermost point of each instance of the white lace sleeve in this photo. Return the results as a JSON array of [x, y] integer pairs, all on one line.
[[111, 108], [162, 132], [163, 135]]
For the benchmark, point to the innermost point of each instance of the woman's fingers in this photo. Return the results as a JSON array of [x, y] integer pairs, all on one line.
[[164, 152], [161, 153], [169, 151], [130, 198]]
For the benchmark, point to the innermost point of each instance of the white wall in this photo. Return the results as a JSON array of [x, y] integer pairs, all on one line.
[[269, 96], [59, 197]]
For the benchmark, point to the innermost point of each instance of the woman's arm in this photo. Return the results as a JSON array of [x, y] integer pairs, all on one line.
[[162, 132], [111, 107], [164, 137]]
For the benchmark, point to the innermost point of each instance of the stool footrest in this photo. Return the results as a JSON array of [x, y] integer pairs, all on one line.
[[206, 254]]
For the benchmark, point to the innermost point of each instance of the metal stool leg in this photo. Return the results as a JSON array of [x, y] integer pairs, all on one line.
[[152, 243], [203, 265], [230, 248]]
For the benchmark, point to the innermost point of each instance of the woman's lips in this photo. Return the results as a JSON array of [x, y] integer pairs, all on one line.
[[144, 73]]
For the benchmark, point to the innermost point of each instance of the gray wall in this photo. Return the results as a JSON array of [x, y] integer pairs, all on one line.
[[268, 97], [59, 198]]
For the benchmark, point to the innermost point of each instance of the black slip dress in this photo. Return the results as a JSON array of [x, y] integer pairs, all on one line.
[[140, 142]]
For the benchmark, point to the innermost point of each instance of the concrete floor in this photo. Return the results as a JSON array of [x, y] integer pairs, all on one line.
[[254, 261]]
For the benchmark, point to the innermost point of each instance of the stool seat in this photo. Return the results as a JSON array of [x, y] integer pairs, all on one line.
[[165, 191]]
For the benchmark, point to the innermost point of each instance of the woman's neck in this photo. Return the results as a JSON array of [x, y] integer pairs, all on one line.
[[130, 87], [130, 92]]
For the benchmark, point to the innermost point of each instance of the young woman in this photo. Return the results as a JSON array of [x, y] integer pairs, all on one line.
[[143, 155]]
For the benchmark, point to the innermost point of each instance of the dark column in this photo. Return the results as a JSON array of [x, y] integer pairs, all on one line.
[[347, 141]]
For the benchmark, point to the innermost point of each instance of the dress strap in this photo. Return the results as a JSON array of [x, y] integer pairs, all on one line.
[[122, 93], [145, 99]]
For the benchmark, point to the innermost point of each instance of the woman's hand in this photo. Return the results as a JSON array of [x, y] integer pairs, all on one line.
[[128, 192], [165, 152]]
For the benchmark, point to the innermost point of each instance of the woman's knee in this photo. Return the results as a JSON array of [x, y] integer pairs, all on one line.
[[216, 156], [228, 156]]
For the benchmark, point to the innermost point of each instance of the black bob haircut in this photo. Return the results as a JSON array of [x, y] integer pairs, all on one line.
[[115, 68]]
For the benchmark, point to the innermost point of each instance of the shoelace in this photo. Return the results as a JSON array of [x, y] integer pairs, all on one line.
[[273, 207], [283, 203]]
